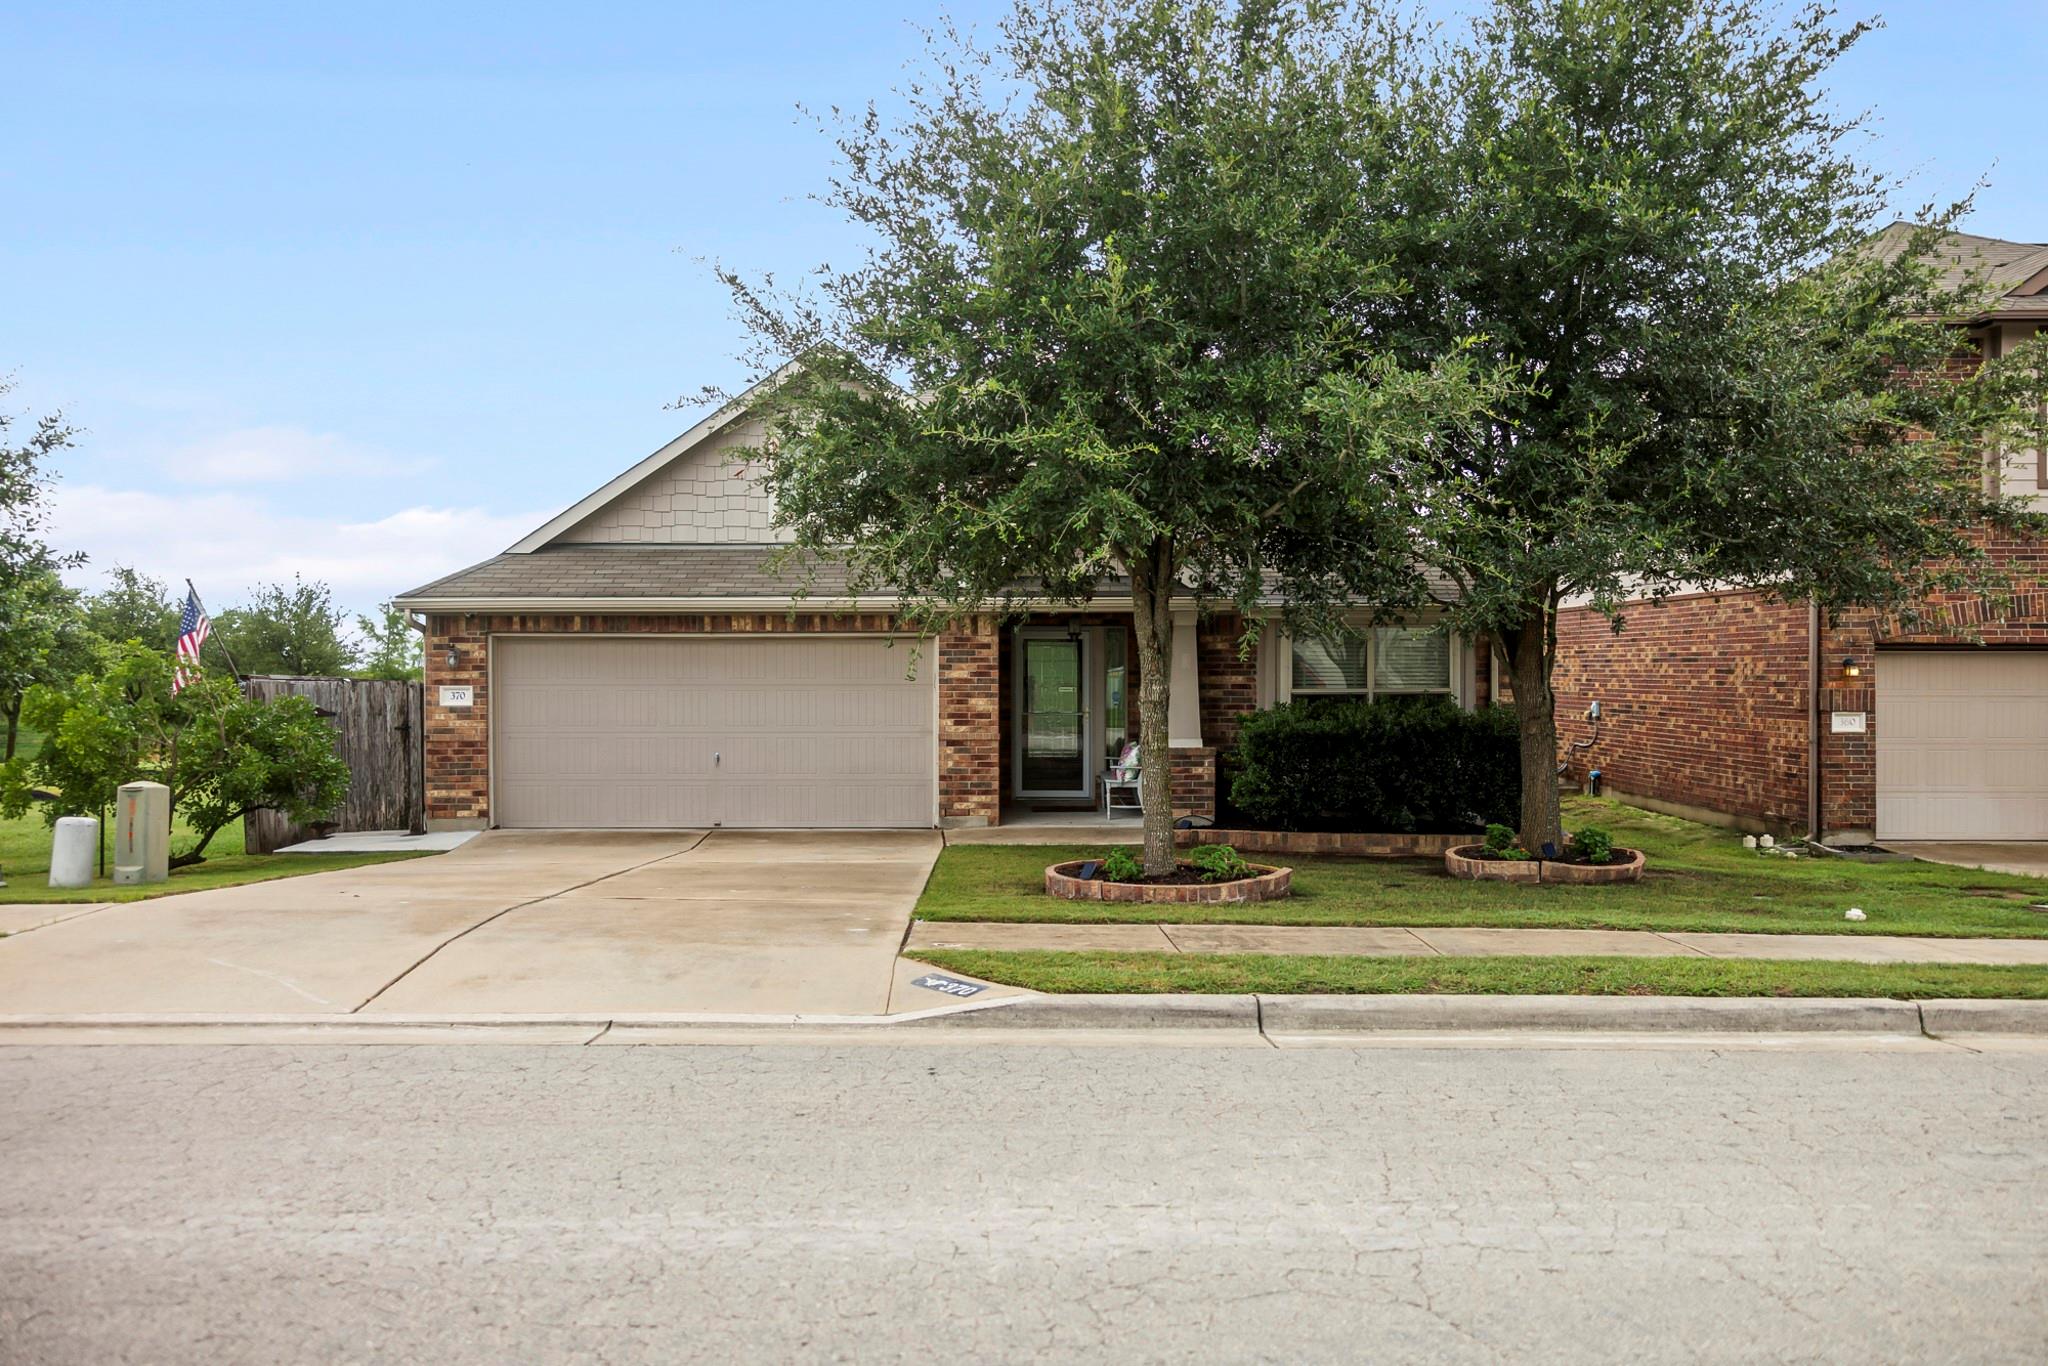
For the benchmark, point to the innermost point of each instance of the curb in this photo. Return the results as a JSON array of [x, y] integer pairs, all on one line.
[[1185, 1011], [1697, 1014], [1217, 1016], [1942, 1018]]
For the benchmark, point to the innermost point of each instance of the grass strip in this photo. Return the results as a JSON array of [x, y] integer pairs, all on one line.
[[1305, 974]]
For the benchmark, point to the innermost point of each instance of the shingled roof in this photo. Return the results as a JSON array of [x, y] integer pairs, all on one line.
[[2017, 271], [629, 573], [615, 577]]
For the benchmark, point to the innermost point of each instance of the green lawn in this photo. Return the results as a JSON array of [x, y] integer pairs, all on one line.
[[1275, 974], [25, 863], [1699, 878]]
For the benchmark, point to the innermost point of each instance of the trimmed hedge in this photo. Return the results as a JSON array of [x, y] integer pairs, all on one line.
[[1399, 765]]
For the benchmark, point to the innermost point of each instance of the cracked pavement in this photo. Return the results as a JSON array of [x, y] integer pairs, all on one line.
[[1840, 1202]]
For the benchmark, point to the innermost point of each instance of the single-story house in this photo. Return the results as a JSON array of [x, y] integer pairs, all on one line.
[[640, 661], [1726, 706]]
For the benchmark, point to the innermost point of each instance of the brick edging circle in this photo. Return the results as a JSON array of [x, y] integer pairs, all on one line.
[[1627, 867], [1270, 884]]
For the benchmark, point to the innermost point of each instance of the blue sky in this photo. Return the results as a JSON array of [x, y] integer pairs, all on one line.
[[368, 291]]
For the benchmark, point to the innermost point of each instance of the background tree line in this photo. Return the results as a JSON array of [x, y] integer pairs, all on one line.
[[90, 674]]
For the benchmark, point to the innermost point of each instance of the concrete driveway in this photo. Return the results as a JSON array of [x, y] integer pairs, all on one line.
[[2029, 857], [742, 922]]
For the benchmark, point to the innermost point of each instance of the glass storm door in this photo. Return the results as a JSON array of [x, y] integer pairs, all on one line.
[[1052, 707]]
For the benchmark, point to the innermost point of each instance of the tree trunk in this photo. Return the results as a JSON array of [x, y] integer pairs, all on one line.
[[1152, 613], [197, 853], [13, 723], [1531, 651]]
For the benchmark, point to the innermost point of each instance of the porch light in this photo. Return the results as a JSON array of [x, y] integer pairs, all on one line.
[[1850, 669]]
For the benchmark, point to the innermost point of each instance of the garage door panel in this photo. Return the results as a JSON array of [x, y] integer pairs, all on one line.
[[1962, 744], [613, 731], [804, 757]]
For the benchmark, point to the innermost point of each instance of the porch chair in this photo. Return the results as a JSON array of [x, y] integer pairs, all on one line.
[[1122, 779]]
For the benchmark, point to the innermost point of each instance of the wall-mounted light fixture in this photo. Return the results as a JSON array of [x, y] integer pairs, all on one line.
[[1850, 669], [454, 657]]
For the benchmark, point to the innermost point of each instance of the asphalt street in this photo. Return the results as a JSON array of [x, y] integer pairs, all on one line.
[[980, 1201]]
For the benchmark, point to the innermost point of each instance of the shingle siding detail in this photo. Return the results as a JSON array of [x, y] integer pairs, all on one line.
[[709, 495]]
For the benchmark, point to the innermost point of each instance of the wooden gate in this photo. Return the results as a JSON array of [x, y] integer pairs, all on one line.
[[377, 725]]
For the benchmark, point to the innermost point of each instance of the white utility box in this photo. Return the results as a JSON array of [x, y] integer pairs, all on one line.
[[73, 849], [142, 833]]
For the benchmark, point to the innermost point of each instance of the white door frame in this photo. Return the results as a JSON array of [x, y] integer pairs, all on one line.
[[1085, 643]]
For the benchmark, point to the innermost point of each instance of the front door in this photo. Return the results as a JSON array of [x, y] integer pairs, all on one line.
[[1052, 714]]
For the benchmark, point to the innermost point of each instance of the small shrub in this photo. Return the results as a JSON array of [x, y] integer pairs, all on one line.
[[1396, 765], [1121, 865], [1500, 842], [1592, 845], [1218, 863]]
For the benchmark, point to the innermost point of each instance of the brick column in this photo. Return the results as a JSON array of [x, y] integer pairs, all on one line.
[[1194, 781], [970, 726], [457, 744]]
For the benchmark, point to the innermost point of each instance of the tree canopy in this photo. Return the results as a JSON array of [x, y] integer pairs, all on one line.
[[1645, 214], [1115, 256], [222, 754], [291, 629]]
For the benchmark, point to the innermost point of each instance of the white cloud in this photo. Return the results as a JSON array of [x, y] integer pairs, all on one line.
[[227, 542], [278, 455]]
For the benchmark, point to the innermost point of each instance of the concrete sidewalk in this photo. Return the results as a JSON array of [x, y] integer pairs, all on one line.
[[1430, 941]]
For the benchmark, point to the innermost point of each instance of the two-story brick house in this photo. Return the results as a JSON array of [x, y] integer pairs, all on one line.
[[1729, 706]]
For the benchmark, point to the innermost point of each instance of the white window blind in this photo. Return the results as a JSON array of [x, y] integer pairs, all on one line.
[[1412, 659]]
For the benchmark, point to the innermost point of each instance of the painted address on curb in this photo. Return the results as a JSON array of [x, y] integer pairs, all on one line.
[[952, 986]]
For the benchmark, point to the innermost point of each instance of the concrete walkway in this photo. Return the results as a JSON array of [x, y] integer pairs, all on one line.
[[1423, 942]]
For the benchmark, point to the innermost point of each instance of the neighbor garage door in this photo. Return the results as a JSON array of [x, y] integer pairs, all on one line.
[[1962, 744], [675, 732]]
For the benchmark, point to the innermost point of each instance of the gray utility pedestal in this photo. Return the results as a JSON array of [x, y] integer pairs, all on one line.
[[142, 833]]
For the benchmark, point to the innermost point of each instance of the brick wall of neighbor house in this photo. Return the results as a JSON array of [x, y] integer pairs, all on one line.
[[970, 726], [1702, 699], [1704, 696], [457, 740]]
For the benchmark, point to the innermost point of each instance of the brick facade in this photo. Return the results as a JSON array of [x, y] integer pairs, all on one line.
[[1704, 697], [1194, 781], [970, 726], [457, 743], [973, 720], [1230, 681]]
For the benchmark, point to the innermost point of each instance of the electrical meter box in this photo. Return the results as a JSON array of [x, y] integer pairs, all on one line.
[[142, 833]]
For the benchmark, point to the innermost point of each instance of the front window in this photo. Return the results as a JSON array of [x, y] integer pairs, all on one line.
[[1332, 668], [1390, 661]]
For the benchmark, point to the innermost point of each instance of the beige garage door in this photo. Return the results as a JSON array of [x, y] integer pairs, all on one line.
[[1962, 744], [673, 732]]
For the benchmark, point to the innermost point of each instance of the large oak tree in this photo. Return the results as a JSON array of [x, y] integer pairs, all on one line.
[[1115, 257], [1649, 216]]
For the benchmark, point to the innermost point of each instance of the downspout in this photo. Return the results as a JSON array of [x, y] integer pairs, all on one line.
[[1813, 830]]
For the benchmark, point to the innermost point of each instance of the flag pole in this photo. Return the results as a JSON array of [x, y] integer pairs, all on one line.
[[216, 635]]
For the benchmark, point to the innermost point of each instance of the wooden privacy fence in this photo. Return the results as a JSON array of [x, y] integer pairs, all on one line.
[[377, 726]]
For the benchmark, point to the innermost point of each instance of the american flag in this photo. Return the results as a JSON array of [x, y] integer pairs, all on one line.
[[193, 628]]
